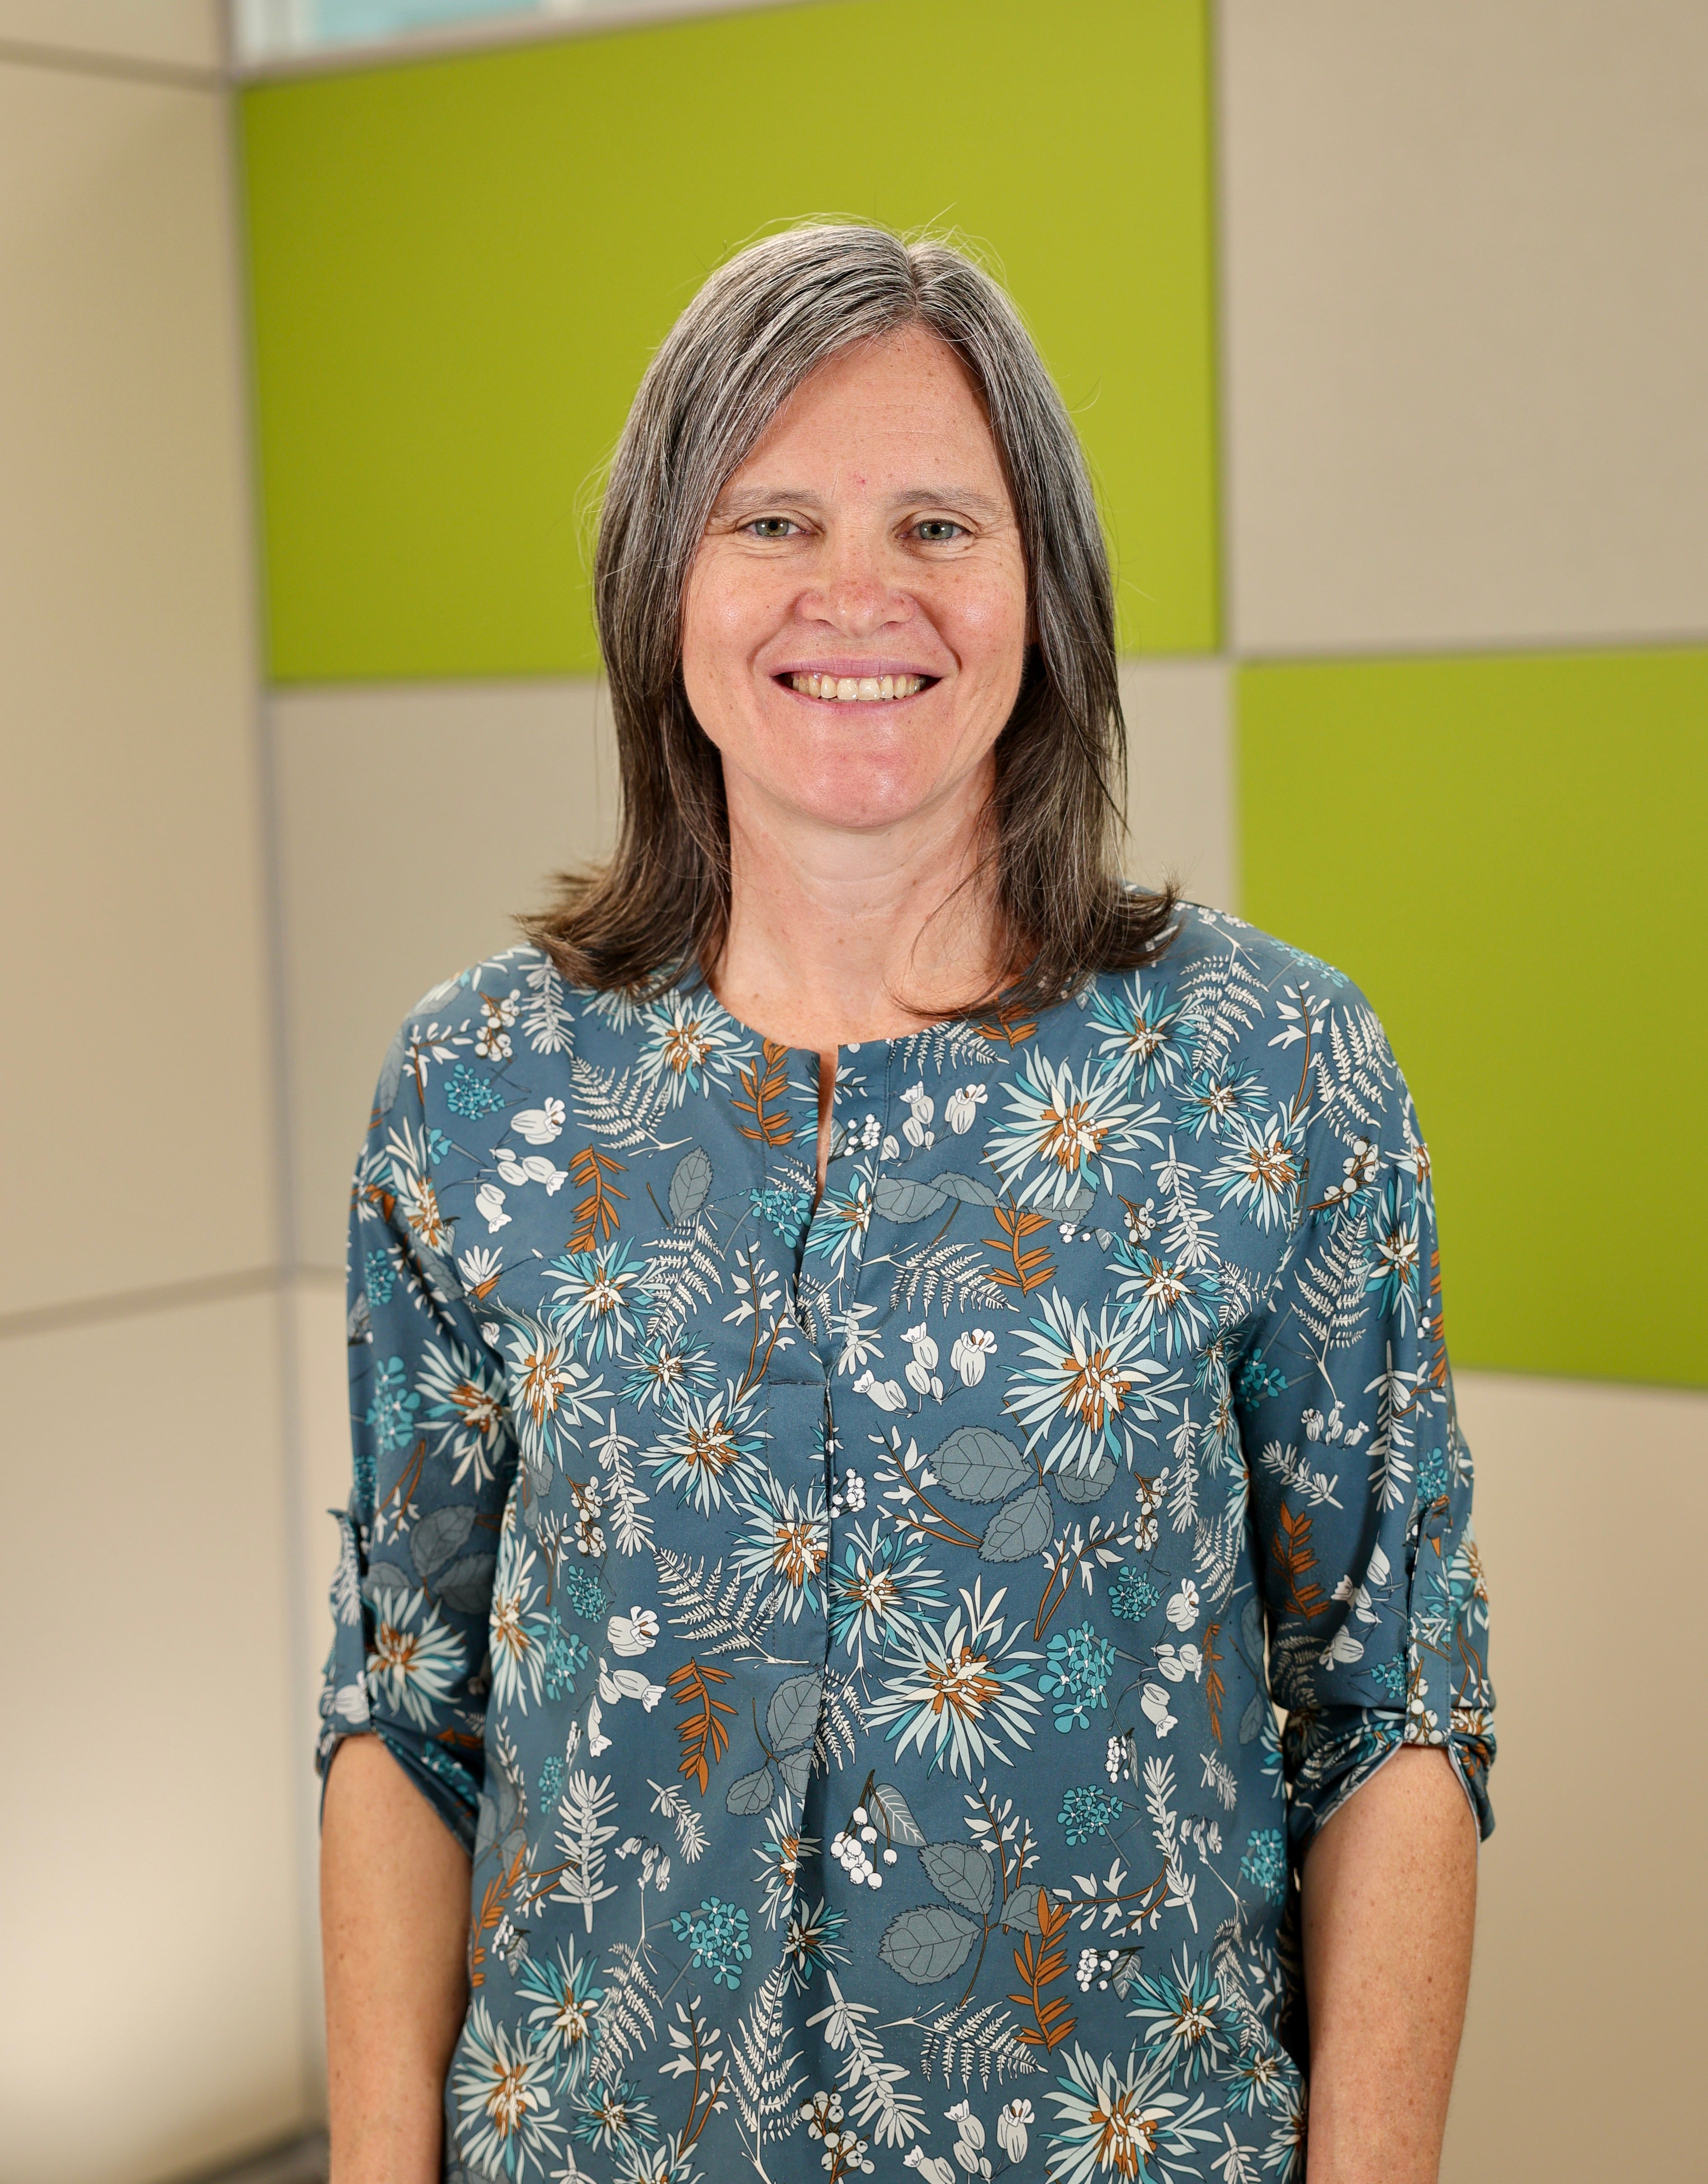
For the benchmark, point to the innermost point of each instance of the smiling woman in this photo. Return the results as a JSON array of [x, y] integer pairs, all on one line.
[[878, 1351], [742, 552]]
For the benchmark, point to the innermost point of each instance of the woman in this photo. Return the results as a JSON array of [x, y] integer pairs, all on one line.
[[877, 1351]]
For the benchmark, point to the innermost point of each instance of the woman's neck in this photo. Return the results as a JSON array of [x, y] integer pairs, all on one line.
[[835, 937]]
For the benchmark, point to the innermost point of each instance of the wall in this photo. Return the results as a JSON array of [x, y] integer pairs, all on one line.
[[150, 1995], [1423, 632]]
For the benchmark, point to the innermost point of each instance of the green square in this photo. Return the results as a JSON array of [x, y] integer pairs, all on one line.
[[460, 267], [1508, 855]]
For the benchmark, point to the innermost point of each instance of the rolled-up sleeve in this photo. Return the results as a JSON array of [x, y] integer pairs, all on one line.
[[434, 1457], [1377, 1609]]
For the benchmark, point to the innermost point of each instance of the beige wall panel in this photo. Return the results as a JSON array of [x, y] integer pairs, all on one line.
[[137, 1122], [414, 822], [149, 2000], [1180, 801], [183, 33], [1467, 324], [1587, 2007]]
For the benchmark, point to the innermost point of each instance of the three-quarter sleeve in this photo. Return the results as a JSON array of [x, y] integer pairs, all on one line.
[[434, 1456], [1361, 1481]]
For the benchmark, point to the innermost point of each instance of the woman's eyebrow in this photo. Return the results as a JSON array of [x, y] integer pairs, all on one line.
[[751, 500], [954, 496]]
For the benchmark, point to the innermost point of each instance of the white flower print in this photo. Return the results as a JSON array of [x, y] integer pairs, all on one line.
[[616, 1683], [962, 1106], [921, 1108], [971, 1352], [1178, 1665], [1011, 2124], [921, 1374], [489, 1204], [1183, 1608], [1154, 1700], [533, 1167], [887, 1395], [540, 1125], [633, 1633]]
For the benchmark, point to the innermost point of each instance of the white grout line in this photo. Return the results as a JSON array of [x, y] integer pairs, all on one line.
[[1401, 650], [293, 1471], [138, 1304], [183, 75]]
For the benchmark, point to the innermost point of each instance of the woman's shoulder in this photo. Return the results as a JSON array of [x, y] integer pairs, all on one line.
[[488, 1019], [1204, 945], [1226, 1013]]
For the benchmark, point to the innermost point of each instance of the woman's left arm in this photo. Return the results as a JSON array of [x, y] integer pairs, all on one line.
[[1389, 1893]]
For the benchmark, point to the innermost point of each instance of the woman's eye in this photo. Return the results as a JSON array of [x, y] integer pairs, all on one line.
[[938, 530], [771, 526]]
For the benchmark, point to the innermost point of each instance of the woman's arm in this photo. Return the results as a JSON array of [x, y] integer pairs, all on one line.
[[1389, 1897], [394, 1897]]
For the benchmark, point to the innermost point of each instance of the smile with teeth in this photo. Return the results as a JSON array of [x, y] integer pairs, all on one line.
[[858, 689]]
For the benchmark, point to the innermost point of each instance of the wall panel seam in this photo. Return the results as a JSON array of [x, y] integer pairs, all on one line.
[[139, 1304], [179, 75]]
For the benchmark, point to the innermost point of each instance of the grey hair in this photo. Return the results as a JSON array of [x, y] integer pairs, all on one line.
[[759, 328]]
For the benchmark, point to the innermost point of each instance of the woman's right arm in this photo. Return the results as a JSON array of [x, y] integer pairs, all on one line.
[[403, 1704], [394, 1896]]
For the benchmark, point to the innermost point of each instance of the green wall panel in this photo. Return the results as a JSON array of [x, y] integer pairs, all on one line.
[[1510, 856], [460, 267]]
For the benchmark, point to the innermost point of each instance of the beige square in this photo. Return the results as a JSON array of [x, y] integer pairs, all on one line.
[[150, 2002], [414, 823], [1466, 321], [181, 33], [1179, 797], [138, 1119], [1592, 1503]]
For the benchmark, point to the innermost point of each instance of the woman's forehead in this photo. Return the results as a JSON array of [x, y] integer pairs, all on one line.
[[899, 413]]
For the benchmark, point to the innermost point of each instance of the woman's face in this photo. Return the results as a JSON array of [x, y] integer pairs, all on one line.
[[856, 624]]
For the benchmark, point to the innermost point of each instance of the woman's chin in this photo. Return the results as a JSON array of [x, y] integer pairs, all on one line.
[[861, 805]]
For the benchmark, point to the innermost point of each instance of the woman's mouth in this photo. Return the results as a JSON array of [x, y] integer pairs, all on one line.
[[858, 689]]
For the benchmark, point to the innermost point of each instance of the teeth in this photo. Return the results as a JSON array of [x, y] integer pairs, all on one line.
[[858, 689]]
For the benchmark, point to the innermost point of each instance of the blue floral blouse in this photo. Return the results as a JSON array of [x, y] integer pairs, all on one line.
[[845, 1636]]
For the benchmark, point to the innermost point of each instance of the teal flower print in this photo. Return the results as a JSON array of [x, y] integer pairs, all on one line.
[[596, 1292], [584, 1593], [1396, 1251], [1140, 1032], [1132, 1595], [565, 1656], [1080, 1666], [717, 1936], [391, 1413], [1067, 1132], [471, 1094], [1264, 1866], [1258, 1382], [1390, 1677], [1087, 1811], [782, 1209], [1260, 1168], [664, 1371]]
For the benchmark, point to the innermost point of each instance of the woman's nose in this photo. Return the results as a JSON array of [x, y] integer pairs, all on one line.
[[856, 592]]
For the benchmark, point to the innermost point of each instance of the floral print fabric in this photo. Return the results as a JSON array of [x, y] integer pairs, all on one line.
[[844, 1634]]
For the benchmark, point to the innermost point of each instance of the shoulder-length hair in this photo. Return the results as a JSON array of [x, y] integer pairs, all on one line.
[[759, 326]]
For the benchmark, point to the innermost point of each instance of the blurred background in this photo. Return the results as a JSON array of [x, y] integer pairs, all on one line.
[[1386, 331]]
